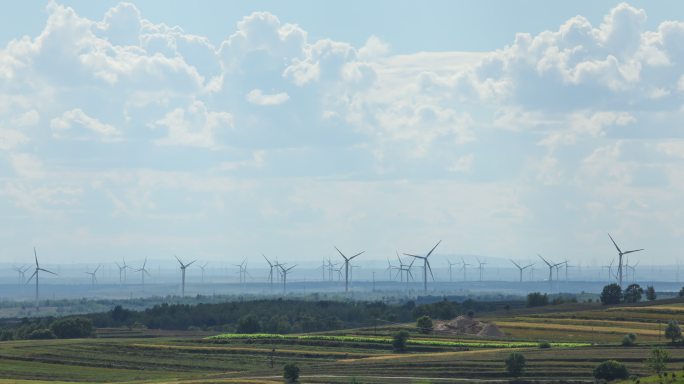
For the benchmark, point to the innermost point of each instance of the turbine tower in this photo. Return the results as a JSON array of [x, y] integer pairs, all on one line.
[[243, 271], [426, 264], [202, 268], [463, 266], [35, 273], [122, 270], [450, 266], [620, 253], [346, 267], [481, 267], [93, 276], [521, 269], [551, 267], [22, 272], [270, 271], [182, 267]]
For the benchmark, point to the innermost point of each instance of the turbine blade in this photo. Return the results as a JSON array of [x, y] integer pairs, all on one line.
[[35, 254], [516, 264], [432, 250], [408, 254], [31, 278], [190, 263], [356, 255], [429, 268], [45, 270], [635, 250], [614, 243]]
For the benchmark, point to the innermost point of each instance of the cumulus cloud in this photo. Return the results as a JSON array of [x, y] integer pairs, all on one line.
[[75, 118], [194, 126], [258, 97]]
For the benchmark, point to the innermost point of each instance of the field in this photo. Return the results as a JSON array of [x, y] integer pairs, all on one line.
[[581, 336]]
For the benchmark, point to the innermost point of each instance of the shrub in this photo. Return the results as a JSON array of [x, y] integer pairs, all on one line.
[[629, 340], [681, 292], [399, 341], [632, 293], [515, 364], [611, 294], [611, 370], [673, 331], [41, 333], [657, 361], [537, 299], [424, 324], [72, 327], [544, 344], [291, 373], [650, 293]]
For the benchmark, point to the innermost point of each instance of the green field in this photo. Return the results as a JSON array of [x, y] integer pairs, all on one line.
[[581, 336]]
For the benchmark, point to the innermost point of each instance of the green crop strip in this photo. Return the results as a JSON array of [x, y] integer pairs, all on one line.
[[387, 340]]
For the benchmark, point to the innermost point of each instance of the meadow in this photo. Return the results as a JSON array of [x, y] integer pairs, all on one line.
[[580, 337]]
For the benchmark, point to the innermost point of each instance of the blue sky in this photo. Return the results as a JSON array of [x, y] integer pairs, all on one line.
[[221, 130]]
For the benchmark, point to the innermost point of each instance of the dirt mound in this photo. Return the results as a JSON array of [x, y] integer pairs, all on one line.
[[469, 326]]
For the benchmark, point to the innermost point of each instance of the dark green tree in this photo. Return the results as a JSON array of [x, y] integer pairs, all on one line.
[[248, 324], [611, 294], [515, 364], [41, 334], [673, 331], [629, 340], [681, 292], [610, 370], [424, 324], [72, 327], [650, 293], [291, 373], [399, 341], [537, 299], [632, 293]]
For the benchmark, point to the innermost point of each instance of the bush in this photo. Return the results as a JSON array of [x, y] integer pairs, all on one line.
[[424, 324], [72, 327], [544, 344], [41, 334], [632, 293], [399, 341], [611, 294], [681, 292], [657, 361], [515, 364], [537, 299], [629, 340], [673, 331], [291, 373], [611, 370], [650, 293]]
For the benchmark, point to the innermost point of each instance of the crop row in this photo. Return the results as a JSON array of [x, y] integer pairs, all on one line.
[[386, 340]]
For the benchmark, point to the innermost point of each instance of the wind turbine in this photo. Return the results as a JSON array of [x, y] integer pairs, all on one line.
[[426, 264], [22, 272], [406, 268], [93, 276], [122, 270], [551, 267], [620, 253], [270, 271], [243, 271], [285, 271], [182, 267], [451, 265], [143, 271], [389, 269], [481, 267], [463, 266], [35, 273], [346, 267], [202, 268], [520, 268]]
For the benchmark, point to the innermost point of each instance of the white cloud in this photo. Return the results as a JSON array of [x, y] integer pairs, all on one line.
[[194, 126], [258, 97], [10, 138], [31, 117], [27, 165], [70, 120]]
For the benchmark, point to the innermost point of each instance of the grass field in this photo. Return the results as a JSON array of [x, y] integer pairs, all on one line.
[[581, 335]]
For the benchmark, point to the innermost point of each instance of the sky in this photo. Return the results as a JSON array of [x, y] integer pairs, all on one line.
[[221, 130]]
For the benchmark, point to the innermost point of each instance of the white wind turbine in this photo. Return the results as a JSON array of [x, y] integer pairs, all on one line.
[[35, 273]]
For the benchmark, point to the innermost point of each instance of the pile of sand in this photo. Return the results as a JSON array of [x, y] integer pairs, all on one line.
[[469, 326]]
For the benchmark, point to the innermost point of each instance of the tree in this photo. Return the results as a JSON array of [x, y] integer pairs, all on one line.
[[515, 364], [632, 293], [612, 293], [657, 361], [610, 370], [537, 299], [673, 331], [72, 327], [41, 333], [629, 340], [650, 293], [248, 324], [291, 373], [399, 341], [681, 292], [424, 324]]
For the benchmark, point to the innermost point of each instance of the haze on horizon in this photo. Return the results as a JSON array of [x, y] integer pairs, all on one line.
[[227, 130]]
